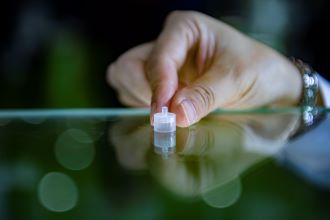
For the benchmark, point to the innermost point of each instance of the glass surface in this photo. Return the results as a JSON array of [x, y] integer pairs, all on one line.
[[109, 164]]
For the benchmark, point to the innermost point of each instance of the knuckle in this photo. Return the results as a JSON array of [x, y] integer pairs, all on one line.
[[205, 97], [179, 15], [123, 61], [174, 14], [182, 13]]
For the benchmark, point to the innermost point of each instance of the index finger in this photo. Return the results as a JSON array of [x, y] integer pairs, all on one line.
[[167, 57]]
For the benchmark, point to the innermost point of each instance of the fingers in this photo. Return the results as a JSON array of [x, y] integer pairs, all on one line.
[[168, 55], [193, 102], [127, 76], [213, 89]]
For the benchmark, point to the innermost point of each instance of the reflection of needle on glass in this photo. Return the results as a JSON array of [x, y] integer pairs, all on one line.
[[164, 132]]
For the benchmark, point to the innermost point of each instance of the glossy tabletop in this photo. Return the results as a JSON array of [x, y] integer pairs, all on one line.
[[109, 164]]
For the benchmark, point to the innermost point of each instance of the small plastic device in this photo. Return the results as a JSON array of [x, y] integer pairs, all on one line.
[[164, 143], [164, 132], [164, 121]]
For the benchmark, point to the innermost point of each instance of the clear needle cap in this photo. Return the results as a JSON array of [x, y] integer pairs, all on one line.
[[164, 121]]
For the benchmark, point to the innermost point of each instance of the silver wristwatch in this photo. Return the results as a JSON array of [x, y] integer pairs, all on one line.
[[310, 91]]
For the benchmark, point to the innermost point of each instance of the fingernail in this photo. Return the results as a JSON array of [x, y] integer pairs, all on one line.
[[189, 111]]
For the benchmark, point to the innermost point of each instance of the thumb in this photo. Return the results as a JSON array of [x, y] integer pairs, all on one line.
[[194, 102]]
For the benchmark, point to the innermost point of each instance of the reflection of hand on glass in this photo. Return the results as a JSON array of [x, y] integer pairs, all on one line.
[[210, 156], [131, 139]]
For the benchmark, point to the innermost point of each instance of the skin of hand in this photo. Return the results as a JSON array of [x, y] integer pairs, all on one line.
[[199, 64]]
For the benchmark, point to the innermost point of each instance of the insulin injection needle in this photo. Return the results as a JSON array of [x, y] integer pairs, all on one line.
[[164, 132], [164, 121]]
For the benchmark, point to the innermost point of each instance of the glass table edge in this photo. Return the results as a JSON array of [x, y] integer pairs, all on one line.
[[110, 112]]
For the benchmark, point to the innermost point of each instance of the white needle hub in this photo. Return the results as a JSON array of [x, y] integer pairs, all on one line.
[[164, 121]]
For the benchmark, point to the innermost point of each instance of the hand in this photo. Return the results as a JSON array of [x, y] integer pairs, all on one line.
[[198, 64]]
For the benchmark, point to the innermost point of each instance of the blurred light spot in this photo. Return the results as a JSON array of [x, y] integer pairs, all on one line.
[[92, 126], [80, 135], [223, 196], [57, 192], [74, 149]]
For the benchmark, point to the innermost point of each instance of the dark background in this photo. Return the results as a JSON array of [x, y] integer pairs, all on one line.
[[54, 53]]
